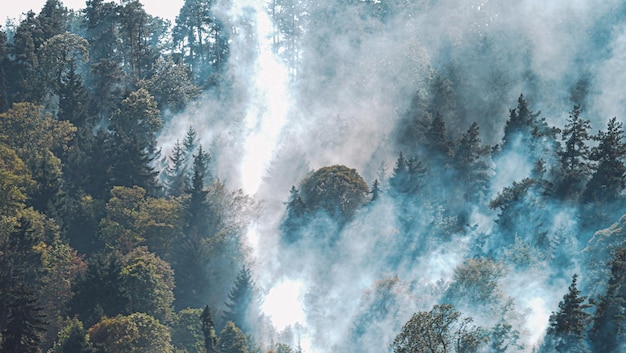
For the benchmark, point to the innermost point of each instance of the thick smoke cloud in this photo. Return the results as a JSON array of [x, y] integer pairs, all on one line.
[[354, 80]]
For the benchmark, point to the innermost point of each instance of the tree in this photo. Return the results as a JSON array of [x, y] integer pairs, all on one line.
[[575, 167], [186, 331], [73, 338], [521, 122], [59, 57], [100, 291], [241, 301], [198, 209], [607, 180], [472, 167], [137, 31], [337, 190], [441, 330], [295, 215], [476, 282], [135, 333], [22, 319], [567, 326], [39, 140], [208, 330], [133, 141], [408, 176], [171, 86], [4, 62], [232, 340], [176, 172], [149, 284], [61, 266], [608, 330], [202, 39]]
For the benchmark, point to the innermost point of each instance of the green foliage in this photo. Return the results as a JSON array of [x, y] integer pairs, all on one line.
[[575, 165], [208, 330], [135, 333], [475, 284], [100, 291], [149, 284], [171, 86], [133, 219], [232, 340], [567, 326], [72, 338], [608, 331], [241, 305], [337, 190], [441, 330], [186, 331], [607, 180]]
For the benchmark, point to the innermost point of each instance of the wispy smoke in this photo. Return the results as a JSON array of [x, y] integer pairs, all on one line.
[[355, 80]]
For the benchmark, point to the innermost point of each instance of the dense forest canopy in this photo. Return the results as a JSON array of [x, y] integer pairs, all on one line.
[[313, 176]]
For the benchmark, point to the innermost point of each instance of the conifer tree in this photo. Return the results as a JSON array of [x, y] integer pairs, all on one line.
[[607, 180], [575, 167], [241, 300], [609, 320], [567, 326], [208, 329]]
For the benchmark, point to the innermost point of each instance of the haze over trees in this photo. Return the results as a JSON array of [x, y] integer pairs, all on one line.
[[437, 180]]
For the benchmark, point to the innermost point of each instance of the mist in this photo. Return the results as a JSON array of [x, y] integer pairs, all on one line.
[[337, 92]]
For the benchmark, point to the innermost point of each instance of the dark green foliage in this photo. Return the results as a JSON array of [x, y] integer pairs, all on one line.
[[521, 121], [232, 340], [609, 321], [443, 329], [73, 339], [607, 180], [203, 40], [208, 330], [408, 176], [4, 61], [575, 166], [471, 164], [295, 217], [337, 190], [100, 292], [241, 301], [567, 326], [21, 315]]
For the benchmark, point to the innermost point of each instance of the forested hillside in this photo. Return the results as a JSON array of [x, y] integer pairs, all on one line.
[[314, 176]]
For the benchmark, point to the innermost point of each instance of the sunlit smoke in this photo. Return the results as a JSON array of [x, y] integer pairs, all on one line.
[[267, 112], [283, 304]]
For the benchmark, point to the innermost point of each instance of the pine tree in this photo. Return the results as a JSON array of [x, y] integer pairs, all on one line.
[[208, 329], [567, 326], [471, 164], [607, 180], [241, 300], [176, 172], [232, 339], [575, 167], [609, 320]]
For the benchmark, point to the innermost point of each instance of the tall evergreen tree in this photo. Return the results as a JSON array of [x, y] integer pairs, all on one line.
[[609, 320], [208, 329], [566, 332], [240, 304], [607, 180], [470, 161], [575, 167]]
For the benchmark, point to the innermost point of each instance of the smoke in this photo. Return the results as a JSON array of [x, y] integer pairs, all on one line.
[[340, 103]]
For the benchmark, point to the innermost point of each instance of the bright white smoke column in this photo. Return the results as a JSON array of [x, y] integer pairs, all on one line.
[[265, 118], [283, 304], [267, 113]]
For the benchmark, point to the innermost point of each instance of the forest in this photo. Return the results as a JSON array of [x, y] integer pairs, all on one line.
[[300, 176]]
